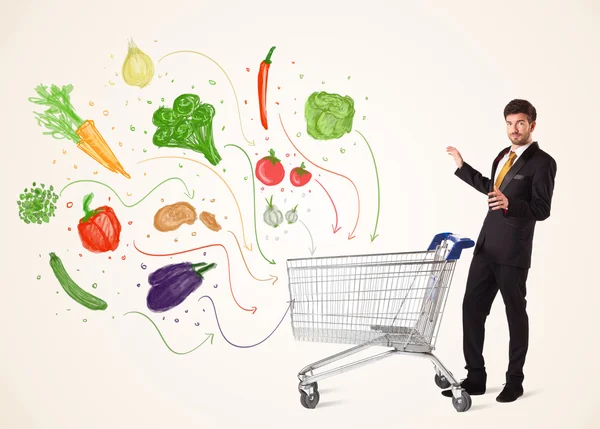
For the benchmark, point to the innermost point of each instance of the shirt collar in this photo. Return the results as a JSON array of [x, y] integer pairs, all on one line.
[[519, 151]]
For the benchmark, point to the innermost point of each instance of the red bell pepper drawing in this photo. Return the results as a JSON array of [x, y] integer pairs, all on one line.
[[100, 229]]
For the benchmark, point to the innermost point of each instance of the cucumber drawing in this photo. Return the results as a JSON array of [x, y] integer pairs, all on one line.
[[72, 289]]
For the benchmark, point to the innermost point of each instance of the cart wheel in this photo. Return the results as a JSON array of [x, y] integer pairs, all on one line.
[[309, 401], [462, 404], [442, 382]]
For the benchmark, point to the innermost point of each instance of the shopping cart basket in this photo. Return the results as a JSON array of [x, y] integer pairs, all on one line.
[[390, 299]]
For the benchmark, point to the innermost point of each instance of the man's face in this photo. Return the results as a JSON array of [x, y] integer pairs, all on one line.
[[519, 129]]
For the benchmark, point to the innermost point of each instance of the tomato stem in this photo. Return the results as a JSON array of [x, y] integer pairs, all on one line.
[[274, 160]]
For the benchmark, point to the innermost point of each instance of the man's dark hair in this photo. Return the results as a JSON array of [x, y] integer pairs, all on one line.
[[521, 106]]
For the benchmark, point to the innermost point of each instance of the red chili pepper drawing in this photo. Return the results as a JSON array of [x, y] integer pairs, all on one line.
[[263, 77], [100, 229]]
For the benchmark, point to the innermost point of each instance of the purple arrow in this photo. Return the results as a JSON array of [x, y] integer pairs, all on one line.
[[235, 345]]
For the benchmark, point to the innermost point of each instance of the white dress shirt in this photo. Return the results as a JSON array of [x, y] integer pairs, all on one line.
[[519, 151]]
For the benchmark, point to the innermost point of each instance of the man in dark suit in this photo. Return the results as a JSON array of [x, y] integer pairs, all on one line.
[[519, 194]]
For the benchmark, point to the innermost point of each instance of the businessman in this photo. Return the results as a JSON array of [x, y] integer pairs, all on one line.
[[519, 193]]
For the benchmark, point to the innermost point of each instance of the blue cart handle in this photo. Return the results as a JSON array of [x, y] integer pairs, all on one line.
[[460, 243]]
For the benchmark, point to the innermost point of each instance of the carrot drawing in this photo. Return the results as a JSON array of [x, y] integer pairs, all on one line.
[[62, 121], [263, 77]]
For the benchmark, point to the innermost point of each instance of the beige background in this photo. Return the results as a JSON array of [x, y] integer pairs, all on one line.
[[434, 74]]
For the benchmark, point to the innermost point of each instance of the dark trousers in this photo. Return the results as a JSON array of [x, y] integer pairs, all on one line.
[[484, 280]]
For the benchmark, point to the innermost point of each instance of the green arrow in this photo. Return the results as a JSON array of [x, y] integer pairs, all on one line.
[[187, 191], [374, 235], [209, 336], [272, 261]]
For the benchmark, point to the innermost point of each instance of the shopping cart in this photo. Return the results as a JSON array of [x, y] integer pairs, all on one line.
[[391, 299]]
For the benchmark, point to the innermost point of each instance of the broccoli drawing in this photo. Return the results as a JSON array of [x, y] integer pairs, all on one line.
[[188, 125], [328, 116]]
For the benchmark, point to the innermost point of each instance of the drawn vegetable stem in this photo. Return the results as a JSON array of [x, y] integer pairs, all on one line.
[[100, 229], [62, 121], [172, 284], [263, 77], [72, 289], [272, 216]]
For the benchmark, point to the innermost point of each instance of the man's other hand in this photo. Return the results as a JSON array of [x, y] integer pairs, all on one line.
[[497, 200], [454, 153]]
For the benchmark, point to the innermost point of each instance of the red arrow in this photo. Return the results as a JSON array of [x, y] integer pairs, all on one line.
[[335, 228], [252, 309], [350, 234]]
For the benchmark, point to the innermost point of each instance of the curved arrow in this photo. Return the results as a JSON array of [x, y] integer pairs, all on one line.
[[350, 234], [236, 345], [374, 235], [252, 309], [335, 228], [272, 261], [249, 247], [251, 143], [187, 192], [312, 247], [209, 336], [273, 278]]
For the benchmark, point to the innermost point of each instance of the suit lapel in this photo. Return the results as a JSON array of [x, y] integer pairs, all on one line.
[[517, 165]]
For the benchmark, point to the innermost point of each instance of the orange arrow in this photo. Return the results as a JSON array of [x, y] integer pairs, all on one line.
[[350, 234], [274, 278], [246, 245], [252, 309]]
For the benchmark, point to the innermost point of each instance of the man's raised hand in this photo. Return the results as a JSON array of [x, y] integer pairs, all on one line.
[[454, 153]]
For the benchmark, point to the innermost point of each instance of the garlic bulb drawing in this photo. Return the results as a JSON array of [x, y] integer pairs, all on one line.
[[272, 215], [138, 68], [292, 215]]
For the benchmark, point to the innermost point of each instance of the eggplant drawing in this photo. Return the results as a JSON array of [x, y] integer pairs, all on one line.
[[172, 284]]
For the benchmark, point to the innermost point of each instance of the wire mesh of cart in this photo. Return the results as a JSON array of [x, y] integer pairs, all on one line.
[[389, 299]]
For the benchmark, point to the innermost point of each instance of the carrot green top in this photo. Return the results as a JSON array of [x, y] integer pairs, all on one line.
[[60, 117]]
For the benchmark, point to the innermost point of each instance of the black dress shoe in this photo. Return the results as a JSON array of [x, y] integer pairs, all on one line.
[[510, 393], [471, 387]]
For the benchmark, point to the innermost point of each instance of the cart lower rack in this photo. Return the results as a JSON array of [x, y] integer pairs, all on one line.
[[393, 300]]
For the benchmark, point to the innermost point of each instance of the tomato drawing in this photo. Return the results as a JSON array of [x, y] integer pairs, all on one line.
[[299, 176], [269, 169]]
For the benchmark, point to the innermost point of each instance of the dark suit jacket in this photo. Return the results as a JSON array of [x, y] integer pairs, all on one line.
[[506, 237]]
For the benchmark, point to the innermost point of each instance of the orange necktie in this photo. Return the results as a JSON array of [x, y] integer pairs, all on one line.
[[507, 165]]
